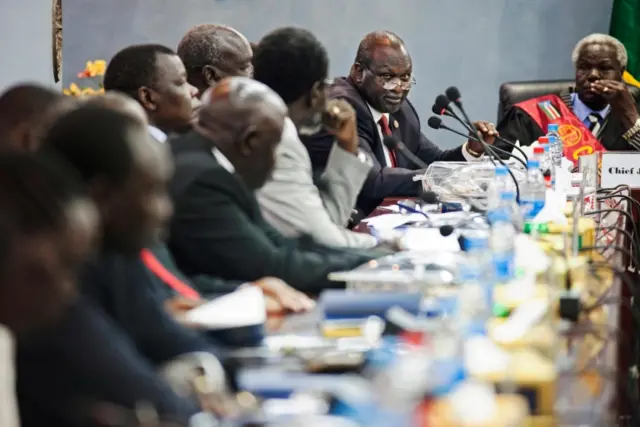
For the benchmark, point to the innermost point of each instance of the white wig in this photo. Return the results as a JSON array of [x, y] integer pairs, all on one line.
[[621, 51]]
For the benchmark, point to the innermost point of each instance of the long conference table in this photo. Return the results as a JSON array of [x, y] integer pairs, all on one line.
[[600, 341]]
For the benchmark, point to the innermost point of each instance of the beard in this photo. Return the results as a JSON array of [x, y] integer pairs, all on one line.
[[311, 126]]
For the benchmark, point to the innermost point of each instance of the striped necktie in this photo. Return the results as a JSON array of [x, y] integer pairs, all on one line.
[[595, 123], [386, 131]]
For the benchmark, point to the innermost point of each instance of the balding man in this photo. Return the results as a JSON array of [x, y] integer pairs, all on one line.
[[377, 88], [26, 111], [212, 52], [218, 228]]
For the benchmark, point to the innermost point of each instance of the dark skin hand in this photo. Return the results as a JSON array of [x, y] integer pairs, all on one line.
[[487, 131], [599, 82], [340, 121]]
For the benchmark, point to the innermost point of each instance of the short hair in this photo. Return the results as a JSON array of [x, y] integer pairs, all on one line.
[[290, 60], [134, 67], [621, 51], [94, 140], [203, 45], [24, 103], [35, 192], [375, 39]]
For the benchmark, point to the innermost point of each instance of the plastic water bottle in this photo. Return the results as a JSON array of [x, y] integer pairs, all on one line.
[[532, 191], [475, 301], [547, 166], [502, 242], [540, 155], [555, 143], [502, 182]]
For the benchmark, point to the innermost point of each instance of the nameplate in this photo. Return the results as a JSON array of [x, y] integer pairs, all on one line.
[[620, 168]]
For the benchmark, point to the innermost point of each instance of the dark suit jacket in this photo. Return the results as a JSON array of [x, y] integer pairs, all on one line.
[[382, 181], [218, 230], [84, 360], [106, 349], [517, 125]]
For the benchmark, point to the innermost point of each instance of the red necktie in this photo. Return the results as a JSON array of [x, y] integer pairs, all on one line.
[[386, 131], [182, 288]]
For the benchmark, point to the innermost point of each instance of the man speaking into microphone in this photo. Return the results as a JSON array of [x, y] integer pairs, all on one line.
[[377, 87]]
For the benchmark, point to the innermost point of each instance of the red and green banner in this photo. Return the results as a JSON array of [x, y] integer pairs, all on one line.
[[625, 26]]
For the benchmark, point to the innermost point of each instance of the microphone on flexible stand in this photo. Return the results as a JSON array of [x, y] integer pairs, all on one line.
[[441, 108], [436, 123], [395, 145]]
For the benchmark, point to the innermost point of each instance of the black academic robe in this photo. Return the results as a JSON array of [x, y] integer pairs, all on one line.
[[517, 125]]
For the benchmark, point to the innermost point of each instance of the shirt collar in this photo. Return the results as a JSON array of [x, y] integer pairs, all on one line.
[[157, 133], [581, 110], [222, 159], [377, 115]]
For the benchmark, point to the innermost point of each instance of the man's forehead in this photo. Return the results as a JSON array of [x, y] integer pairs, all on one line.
[[600, 49], [393, 55]]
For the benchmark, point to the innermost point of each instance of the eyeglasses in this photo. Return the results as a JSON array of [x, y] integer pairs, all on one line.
[[390, 82]]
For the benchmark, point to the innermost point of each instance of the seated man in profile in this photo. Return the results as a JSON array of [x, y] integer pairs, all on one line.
[[601, 111], [377, 88]]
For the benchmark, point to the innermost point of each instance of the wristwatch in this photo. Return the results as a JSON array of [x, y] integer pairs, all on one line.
[[633, 130]]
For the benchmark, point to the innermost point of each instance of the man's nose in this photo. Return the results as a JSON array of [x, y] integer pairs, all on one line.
[[594, 74]]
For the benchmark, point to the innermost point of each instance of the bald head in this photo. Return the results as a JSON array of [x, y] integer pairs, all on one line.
[[211, 52], [375, 41], [23, 111], [120, 102], [244, 119]]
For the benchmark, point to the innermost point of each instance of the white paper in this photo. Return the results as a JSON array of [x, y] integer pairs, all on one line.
[[523, 318], [393, 220], [244, 307], [429, 240]]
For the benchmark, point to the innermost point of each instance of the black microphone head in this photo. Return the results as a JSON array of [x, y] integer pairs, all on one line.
[[430, 197], [453, 94], [436, 110], [442, 104], [390, 142], [434, 122], [446, 230]]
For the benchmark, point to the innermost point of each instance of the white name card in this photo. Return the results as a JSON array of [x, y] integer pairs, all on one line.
[[621, 167]]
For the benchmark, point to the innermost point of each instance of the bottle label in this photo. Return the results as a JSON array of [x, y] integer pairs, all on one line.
[[531, 208], [504, 267]]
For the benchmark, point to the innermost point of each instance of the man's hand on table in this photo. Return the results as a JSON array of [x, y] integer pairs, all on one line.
[[488, 132], [282, 297], [179, 306]]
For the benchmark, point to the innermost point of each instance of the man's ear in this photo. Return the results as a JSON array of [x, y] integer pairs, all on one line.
[[101, 192], [247, 141], [147, 99], [211, 75], [357, 72], [315, 96]]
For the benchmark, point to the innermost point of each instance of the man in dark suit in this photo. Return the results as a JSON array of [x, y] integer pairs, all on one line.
[[600, 105], [113, 340], [217, 228], [377, 88]]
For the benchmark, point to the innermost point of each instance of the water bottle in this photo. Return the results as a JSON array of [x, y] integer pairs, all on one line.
[[502, 245], [556, 147], [475, 301], [502, 182], [532, 191]]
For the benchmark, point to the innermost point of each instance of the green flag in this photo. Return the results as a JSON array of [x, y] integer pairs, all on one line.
[[625, 26]]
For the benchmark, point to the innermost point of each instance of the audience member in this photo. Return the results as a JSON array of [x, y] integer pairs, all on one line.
[[109, 346], [212, 52], [25, 113], [230, 154], [293, 63], [377, 87], [154, 76], [47, 228]]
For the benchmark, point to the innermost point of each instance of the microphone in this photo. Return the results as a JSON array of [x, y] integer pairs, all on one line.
[[430, 197], [441, 108], [396, 145], [436, 123]]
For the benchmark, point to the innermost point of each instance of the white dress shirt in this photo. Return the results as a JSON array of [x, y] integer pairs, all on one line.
[[157, 133], [8, 406], [377, 115]]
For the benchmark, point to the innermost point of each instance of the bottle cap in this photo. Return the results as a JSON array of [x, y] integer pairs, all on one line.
[[532, 163], [543, 140], [501, 170], [538, 150], [552, 127]]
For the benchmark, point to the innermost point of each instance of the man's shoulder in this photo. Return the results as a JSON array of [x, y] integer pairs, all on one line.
[[342, 88]]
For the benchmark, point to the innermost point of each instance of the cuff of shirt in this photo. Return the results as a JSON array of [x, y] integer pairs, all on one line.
[[467, 156]]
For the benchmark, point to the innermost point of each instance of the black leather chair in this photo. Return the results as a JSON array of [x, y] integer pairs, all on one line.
[[513, 92]]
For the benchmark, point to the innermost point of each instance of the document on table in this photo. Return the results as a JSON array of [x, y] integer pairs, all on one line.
[[244, 307], [392, 220]]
